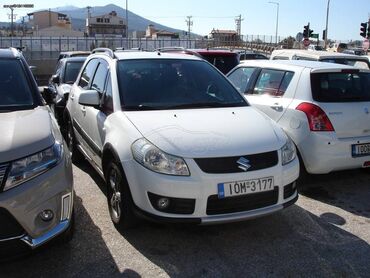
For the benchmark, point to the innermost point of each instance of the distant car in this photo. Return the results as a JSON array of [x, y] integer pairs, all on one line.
[[222, 59], [322, 56], [36, 181], [250, 55], [323, 107], [315, 48], [338, 47], [69, 54], [354, 51], [61, 82]]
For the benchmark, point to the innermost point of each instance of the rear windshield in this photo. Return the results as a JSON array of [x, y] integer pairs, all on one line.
[[15, 89], [350, 62], [71, 71], [155, 84], [340, 87], [224, 63]]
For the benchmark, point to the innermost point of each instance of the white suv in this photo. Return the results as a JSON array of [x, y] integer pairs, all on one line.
[[176, 142], [323, 107]]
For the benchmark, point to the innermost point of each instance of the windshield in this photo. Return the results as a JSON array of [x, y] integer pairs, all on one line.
[[71, 71], [340, 87], [361, 64], [15, 90], [174, 84]]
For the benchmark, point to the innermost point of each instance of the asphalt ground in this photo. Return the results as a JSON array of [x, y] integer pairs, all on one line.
[[325, 234]]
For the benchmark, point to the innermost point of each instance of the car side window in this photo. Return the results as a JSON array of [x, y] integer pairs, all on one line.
[[240, 78], [280, 58], [107, 105], [88, 74], [100, 77], [272, 82]]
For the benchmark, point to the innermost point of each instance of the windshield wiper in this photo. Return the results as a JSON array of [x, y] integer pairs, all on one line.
[[205, 105]]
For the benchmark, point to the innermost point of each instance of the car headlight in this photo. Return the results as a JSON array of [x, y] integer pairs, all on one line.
[[158, 161], [288, 152], [29, 167]]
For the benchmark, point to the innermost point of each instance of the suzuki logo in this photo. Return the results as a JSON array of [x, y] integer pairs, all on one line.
[[243, 164], [366, 110]]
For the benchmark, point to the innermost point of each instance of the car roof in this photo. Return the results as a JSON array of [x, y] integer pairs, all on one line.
[[9, 53], [74, 59], [295, 64], [314, 54], [132, 55], [216, 52]]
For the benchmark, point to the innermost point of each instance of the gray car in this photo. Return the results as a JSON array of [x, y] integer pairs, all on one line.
[[36, 181]]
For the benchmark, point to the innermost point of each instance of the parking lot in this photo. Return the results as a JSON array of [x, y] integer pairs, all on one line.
[[325, 234]]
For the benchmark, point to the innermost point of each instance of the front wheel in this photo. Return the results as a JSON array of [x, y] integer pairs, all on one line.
[[119, 198]]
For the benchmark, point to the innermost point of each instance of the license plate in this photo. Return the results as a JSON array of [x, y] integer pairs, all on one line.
[[236, 188], [360, 149]]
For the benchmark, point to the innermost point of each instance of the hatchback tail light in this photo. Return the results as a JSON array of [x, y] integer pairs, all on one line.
[[317, 119]]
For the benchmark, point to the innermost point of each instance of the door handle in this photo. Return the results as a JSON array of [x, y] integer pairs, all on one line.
[[72, 97], [83, 110], [277, 107]]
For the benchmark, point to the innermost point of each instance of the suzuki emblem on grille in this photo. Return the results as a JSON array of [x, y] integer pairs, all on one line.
[[243, 164], [366, 110]]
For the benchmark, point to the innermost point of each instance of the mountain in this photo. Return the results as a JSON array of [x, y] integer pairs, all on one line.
[[135, 22]]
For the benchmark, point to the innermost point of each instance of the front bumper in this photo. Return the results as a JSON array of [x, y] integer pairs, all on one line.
[[200, 187], [52, 190]]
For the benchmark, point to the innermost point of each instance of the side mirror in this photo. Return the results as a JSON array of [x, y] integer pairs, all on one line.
[[55, 79], [90, 98], [47, 95]]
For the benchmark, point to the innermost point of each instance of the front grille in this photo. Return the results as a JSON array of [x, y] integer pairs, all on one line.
[[3, 168], [224, 165], [9, 227], [242, 203]]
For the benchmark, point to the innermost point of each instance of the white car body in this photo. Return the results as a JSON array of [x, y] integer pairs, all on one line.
[[321, 151], [186, 133]]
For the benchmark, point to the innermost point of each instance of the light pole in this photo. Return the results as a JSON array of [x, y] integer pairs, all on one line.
[[126, 19], [277, 20], [326, 27]]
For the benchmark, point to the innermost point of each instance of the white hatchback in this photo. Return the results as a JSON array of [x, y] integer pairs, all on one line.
[[323, 107], [176, 142]]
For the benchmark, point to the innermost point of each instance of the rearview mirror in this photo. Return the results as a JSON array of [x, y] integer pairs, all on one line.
[[89, 98]]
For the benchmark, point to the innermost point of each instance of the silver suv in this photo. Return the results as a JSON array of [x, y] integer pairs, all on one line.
[[36, 182]]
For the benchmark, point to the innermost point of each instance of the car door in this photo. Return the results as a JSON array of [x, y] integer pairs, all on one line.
[[272, 91], [77, 111], [94, 118]]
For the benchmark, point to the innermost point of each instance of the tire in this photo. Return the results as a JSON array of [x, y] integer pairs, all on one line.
[[119, 198], [76, 155]]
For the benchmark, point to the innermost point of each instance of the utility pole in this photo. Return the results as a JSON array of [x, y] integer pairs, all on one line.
[[87, 30], [238, 22], [12, 7], [326, 27], [126, 18], [189, 23]]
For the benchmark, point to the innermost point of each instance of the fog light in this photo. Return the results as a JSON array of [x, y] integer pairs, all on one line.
[[163, 203], [47, 215], [66, 206]]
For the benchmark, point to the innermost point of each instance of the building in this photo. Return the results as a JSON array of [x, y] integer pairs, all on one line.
[[138, 34], [108, 25], [45, 19], [56, 31], [152, 33], [224, 35]]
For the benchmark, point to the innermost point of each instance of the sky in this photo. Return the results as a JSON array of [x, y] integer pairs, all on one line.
[[259, 16]]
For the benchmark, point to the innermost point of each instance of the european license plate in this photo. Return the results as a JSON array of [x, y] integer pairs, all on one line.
[[236, 188], [360, 150]]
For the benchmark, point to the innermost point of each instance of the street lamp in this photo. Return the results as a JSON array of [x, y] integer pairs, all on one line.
[[126, 19], [277, 20], [326, 27]]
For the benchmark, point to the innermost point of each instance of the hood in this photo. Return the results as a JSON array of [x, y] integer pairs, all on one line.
[[24, 133], [209, 132]]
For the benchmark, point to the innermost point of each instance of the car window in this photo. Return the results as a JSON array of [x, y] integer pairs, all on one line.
[[240, 78], [107, 104], [100, 77], [272, 82], [15, 89], [87, 74], [280, 58], [71, 71], [340, 87], [174, 84], [224, 63]]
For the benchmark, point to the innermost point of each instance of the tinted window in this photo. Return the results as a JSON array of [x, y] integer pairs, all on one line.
[[240, 78], [340, 87], [14, 87], [350, 62], [280, 58], [71, 71], [171, 84], [223, 63], [272, 82], [100, 77], [87, 74]]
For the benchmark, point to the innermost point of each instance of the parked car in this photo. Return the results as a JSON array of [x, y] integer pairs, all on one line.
[[355, 51], [222, 59], [36, 181], [250, 55], [323, 56], [315, 47], [69, 54], [323, 107], [338, 47], [176, 142], [60, 85]]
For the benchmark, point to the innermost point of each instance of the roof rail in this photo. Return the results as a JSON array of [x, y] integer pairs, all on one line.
[[170, 48], [105, 50]]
